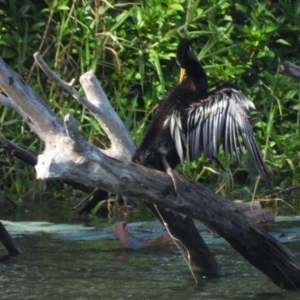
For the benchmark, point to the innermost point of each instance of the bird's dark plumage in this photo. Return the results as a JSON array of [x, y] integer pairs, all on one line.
[[191, 120]]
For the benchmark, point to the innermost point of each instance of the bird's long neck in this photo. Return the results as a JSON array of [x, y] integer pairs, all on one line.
[[195, 74]]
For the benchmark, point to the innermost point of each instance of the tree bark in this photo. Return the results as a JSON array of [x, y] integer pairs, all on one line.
[[8, 243], [291, 70], [68, 156]]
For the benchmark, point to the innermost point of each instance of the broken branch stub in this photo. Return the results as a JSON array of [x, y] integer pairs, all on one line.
[[122, 145], [291, 70]]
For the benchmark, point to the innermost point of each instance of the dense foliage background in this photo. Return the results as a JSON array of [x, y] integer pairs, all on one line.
[[131, 47]]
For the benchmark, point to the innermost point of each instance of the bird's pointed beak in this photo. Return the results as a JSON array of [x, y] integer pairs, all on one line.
[[182, 73]]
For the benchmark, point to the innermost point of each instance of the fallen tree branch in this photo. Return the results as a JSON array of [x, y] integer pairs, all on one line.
[[69, 157], [291, 70], [31, 159], [25, 156], [262, 217]]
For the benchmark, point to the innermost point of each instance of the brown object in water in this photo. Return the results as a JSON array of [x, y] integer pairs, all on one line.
[[133, 242]]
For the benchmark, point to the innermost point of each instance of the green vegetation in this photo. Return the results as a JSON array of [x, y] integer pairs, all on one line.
[[131, 47]]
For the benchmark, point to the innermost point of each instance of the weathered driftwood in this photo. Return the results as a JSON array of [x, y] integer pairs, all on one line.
[[122, 145], [31, 159], [188, 238], [68, 156], [258, 215], [289, 69]]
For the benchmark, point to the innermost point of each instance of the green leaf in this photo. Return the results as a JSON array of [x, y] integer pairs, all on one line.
[[176, 6], [283, 42]]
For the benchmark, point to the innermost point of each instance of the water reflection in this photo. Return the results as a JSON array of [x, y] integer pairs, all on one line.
[[52, 269]]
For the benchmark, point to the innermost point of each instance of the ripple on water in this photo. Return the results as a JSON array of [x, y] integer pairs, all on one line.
[[56, 269]]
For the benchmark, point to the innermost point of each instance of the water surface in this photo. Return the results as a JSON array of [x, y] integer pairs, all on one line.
[[52, 268], [56, 269]]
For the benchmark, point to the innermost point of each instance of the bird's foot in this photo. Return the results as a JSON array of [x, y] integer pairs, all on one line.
[[179, 182]]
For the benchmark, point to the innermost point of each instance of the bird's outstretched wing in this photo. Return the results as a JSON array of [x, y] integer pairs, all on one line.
[[219, 118]]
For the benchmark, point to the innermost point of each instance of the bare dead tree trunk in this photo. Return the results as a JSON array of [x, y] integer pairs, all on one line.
[[68, 156]]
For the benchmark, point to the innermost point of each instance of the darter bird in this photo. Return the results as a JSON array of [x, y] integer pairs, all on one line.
[[191, 120]]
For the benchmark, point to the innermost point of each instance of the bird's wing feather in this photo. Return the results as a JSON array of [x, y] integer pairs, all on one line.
[[177, 133], [220, 118]]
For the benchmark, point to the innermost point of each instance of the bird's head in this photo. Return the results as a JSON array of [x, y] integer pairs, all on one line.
[[185, 57]]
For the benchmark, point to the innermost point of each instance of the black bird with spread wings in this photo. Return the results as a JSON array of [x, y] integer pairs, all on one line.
[[191, 120]]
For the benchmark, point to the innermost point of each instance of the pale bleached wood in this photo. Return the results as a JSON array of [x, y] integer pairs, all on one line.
[[122, 145], [11, 104], [30, 103]]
